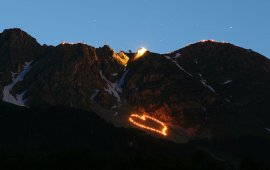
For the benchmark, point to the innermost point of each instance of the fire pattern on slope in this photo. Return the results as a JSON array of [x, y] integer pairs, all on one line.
[[143, 118]]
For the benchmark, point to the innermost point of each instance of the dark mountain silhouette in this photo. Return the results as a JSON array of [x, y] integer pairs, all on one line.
[[213, 96]]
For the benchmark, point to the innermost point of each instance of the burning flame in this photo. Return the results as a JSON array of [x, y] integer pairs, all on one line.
[[121, 58], [140, 53], [163, 131], [212, 40], [208, 40]]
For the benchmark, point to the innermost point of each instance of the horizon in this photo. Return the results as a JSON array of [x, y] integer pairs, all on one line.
[[159, 26]]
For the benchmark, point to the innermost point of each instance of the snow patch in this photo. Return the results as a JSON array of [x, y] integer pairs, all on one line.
[[13, 75], [7, 96], [177, 55], [111, 87], [227, 82], [113, 107], [176, 63], [121, 81], [115, 113], [96, 91], [208, 86], [203, 81], [114, 74], [20, 97]]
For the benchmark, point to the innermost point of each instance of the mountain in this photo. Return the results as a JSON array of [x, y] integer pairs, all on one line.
[[211, 94], [206, 85]]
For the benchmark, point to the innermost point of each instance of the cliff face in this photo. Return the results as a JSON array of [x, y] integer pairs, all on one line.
[[208, 88]]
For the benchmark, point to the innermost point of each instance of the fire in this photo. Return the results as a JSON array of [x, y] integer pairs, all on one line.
[[163, 131], [140, 53], [121, 58], [212, 40], [208, 40]]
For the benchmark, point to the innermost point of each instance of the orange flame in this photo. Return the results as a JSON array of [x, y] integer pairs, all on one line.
[[121, 58], [140, 53], [208, 40], [144, 117]]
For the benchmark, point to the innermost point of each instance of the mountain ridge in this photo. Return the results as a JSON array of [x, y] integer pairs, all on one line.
[[211, 96], [184, 88]]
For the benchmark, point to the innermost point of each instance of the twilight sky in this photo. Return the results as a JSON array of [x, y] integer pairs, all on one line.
[[159, 25]]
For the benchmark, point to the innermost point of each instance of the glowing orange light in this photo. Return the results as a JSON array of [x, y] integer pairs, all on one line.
[[121, 58], [144, 117], [140, 53]]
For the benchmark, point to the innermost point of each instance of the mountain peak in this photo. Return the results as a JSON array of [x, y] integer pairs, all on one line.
[[16, 48], [16, 34], [13, 31]]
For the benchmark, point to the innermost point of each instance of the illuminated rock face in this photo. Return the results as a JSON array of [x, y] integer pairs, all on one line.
[[140, 53]]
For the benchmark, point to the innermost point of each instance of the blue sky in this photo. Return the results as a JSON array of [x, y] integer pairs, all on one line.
[[159, 25]]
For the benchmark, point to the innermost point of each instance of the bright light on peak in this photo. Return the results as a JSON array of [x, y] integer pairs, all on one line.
[[208, 40], [140, 52]]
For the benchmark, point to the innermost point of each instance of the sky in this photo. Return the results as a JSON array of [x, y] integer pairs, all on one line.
[[159, 25]]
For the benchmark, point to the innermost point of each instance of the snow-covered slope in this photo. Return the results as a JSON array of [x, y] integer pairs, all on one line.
[[19, 98]]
